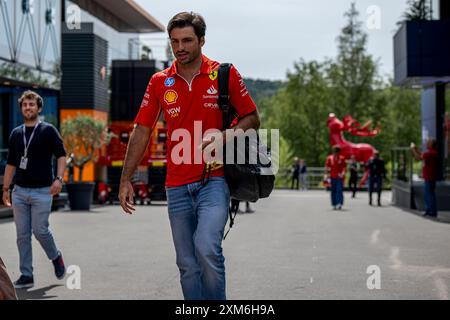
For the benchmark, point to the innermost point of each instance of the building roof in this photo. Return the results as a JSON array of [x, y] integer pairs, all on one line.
[[122, 15]]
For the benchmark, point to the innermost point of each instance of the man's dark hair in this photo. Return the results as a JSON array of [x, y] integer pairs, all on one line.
[[337, 148], [31, 95], [188, 19]]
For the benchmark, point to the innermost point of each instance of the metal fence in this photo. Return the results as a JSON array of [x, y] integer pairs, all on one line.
[[314, 179]]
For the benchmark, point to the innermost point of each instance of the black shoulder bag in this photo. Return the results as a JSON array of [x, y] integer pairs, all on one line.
[[247, 180]]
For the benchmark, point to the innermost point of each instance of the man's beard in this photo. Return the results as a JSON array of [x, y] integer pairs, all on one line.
[[31, 118]]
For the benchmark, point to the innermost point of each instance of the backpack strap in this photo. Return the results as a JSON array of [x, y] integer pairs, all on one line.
[[224, 104], [228, 116], [224, 94], [232, 211]]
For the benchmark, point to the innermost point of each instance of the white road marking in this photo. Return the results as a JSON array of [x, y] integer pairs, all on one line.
[[441, 288], [375, 236], [394, 258]]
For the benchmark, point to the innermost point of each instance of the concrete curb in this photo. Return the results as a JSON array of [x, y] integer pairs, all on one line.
[[6, 213]]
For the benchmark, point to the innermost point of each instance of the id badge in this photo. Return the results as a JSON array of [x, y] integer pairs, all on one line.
[[23, 163]]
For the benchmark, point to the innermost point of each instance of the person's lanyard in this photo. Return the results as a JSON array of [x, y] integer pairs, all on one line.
[[27, 145]]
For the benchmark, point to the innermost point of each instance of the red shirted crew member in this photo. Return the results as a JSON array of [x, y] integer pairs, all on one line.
[[335, 167]]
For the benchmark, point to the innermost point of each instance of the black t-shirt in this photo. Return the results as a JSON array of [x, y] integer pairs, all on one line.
[[354, 170], [46, 143], [376, 167]]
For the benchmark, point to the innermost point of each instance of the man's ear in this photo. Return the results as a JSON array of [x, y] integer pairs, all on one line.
[[202, 41]]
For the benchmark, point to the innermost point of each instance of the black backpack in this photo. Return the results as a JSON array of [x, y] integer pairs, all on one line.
[[248, 181]]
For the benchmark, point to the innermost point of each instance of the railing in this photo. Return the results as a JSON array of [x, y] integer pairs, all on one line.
[[402, 164], [313, 178]]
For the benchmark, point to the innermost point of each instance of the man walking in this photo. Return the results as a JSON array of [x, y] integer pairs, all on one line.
[[303, 175], [335, 167], [377, 172], [31, 148], [429, 174], [295, 174], [187, 94]]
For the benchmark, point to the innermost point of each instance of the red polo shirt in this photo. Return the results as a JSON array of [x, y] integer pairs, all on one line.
[[337, 166], [430, 165], [185, 103]]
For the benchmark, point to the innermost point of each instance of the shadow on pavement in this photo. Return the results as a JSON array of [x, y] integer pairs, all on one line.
[[6, 220], [38, 294], [443, 216]]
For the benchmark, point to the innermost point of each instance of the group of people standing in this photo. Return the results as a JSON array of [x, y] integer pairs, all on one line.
[[336, 168]]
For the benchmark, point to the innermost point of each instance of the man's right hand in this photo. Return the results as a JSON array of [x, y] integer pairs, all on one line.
[[126, 197], [6, 199]]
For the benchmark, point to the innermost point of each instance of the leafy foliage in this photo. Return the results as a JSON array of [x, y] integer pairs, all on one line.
[[83, 137], [349, 84]]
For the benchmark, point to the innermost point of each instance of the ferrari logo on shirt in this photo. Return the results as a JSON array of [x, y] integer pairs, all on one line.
[[213, 76], [171, 96]]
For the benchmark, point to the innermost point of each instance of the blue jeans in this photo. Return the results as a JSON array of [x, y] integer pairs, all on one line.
[[430, 197], [198, 215], [31, 212], [337, 192]]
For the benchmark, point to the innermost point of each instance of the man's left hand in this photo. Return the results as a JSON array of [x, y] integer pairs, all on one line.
[[56, 188], [211, 143]]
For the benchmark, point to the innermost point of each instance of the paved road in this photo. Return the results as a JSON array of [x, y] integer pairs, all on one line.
[[293, 247]]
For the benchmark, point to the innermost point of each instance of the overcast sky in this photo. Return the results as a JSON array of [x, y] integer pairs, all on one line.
[[263, 38]]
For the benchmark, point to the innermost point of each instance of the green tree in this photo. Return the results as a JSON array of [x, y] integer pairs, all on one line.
[[418, 10], [353, 75], [348, 84], [400, 122], [285, 159], [83, 137], [301, 111]]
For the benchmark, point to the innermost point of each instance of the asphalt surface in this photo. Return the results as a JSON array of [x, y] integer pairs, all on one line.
[[294, 247]]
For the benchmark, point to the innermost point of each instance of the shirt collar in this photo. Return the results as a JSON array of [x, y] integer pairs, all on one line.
[[205, 68]]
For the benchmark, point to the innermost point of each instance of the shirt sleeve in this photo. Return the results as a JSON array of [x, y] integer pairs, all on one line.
[[239, 95], [58, 144], [12, 153], [150, 108]]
